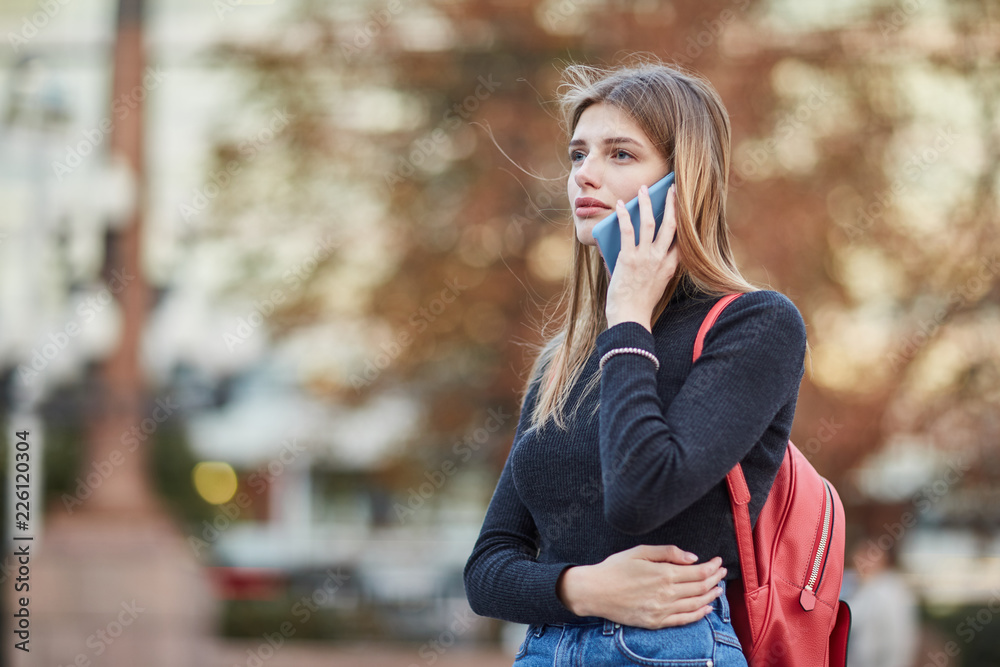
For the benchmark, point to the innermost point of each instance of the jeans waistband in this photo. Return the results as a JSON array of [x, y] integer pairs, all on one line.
[[720, 606]]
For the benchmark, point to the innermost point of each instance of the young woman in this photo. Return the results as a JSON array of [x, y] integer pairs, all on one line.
[[610, 531]]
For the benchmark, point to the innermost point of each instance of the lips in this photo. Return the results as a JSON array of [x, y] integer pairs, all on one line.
[[588, 206], [589, 202]]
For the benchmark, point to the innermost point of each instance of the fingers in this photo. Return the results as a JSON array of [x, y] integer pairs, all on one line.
[[682, 562], [695, 602], [681, 610], [647, 223], [625, 227], [686, 617], [667, 553], [702, 572], [691, 601], [699, 587], [668, 228]]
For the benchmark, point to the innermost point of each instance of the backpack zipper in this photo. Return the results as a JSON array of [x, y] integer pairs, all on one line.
[[808, 596]]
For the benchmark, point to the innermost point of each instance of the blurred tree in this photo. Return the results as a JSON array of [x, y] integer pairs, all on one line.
[[864, 186]]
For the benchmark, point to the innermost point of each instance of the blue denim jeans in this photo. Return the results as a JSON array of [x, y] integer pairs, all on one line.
[[709, 642]]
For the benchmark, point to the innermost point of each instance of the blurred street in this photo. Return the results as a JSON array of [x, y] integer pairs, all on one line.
[[273, 276], [320, 654]]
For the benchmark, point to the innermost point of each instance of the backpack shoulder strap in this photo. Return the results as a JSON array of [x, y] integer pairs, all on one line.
[[710, 319], [739, 493]]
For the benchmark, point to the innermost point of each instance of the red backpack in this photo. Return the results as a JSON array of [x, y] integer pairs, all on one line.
[[788, 613]]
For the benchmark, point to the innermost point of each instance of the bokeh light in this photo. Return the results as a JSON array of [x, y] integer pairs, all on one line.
[[215, 481]]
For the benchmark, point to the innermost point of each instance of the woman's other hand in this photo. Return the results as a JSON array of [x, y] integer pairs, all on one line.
[[642, 271], [648, 586]]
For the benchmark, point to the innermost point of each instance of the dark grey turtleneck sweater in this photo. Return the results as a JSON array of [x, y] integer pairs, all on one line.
[[649, 467]]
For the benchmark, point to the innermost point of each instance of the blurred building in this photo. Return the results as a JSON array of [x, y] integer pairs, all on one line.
[[313, 497], [313, 473]]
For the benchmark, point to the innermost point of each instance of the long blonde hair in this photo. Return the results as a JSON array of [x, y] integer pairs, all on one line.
[[685, 119]]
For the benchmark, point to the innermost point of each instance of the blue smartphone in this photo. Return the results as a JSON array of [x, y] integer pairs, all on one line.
[[607, 232]]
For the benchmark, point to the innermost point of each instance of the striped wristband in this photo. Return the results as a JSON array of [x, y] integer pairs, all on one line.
[[632, 350]]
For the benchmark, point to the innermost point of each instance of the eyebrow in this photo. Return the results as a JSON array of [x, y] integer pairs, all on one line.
[[608, 140]]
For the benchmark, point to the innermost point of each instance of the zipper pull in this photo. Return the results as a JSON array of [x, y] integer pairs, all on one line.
[[807, 599]]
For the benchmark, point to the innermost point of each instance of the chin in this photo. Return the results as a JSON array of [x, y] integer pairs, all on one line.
[[585, 232]]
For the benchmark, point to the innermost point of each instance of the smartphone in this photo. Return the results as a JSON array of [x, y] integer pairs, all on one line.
[[607, 232]]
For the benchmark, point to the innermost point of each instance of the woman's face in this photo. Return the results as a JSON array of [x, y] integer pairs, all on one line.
[[610, 157]]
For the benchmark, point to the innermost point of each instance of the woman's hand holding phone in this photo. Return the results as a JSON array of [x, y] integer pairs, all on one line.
[[648, 586], [642, 271]]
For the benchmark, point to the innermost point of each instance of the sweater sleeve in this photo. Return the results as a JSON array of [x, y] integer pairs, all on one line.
[[503, 578], [657, 459]]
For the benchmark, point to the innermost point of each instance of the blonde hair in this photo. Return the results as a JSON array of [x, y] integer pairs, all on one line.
[[683, 116]]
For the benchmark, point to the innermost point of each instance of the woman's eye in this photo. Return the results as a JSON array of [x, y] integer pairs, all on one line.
[[617, 154]]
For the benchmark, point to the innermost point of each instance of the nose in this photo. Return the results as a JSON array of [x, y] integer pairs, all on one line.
[[589, 173]]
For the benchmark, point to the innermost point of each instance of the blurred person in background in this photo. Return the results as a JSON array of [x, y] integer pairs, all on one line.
[[610, 531], [884, 626]]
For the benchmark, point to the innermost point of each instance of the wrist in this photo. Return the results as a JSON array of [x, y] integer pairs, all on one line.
[[573, 589], [638, 319]]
